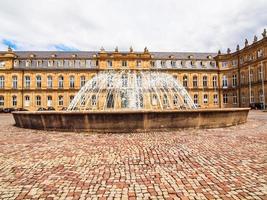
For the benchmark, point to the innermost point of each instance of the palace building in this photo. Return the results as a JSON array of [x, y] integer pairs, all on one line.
[[40, 79]]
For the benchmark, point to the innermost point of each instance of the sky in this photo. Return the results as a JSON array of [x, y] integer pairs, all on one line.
[[161, 25]]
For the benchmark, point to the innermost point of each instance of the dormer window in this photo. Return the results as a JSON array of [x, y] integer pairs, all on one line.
[[183, 63], [16, 63], [109, 63], [224, 64], [152, 63], [74, 55], [39, 63], [259, 53], [173, 63], [60, 63], [32, 55], [28, 63], [138, 63], [124, 63], [191, 57], [71, 63], [53, 55], [192, 63], [50, 63], [209, 57], [163, 63], [82, 63], [203, 63]]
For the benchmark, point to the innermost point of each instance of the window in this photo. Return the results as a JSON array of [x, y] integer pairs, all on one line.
[[185, 99], [2, 100], [16, 63], [28, 63], [260, 74], [14, 101], [83, 81], [242, 78], [185, 81], [110, 81], [124, 79], [27, 100], [49, 82], [243, 97], [261, 97], [225, 82], [224, 64], [214, 81], [234, 80], [72, 82], [215, 99], [234, 63], [110, 63], [205, 98], [152, 63], [60, 100], [71, 63], [260, 53], [138, 63], [251, 76], [154, 100], [196, 99], [71, 98], [205, 81], [110, 101], [124, 100], [38, 82], [2, 82], [94, 100], [139, 80], [49, 101], [195, 81], [14, 82], [60, 63], [39, 63], [163, 63], [165, 100], [252, 99], [225, 98], [60, 82], [27, 80], [124, 63], [38, 100], [50, 63], [234, 98], [173, 63], [175, 100]]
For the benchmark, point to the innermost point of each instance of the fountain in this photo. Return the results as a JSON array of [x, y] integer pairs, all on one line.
[[131, 100]]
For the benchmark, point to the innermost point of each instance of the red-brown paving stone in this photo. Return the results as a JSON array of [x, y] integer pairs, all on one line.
[[223, 163]]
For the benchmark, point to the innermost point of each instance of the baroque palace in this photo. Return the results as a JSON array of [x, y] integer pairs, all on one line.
[[50, 79]]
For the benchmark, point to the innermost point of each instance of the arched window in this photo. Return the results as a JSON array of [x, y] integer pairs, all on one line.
[[60, 82], [94, 100], [140, 101], [139, 80], [27, 80], [2, 100], [60, 100], [196, 99], [185, 81], [175, 100], [251, 76], [83, 81], [2, 82], [124, 79], [27, 100], [225, 98], [124, 100], [14, 101], [214, 81], [154, 100], [215, 99], [14, 82], [205, 81], [205, 98], [38, 100], [165, 100], [261, 97], [110, 101], [38, 82], [49, 82], [195, 81], [71, 98], [49, 101], [110, 81], [72, 82], [225, 82]]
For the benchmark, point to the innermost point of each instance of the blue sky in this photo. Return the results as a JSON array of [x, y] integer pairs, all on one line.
[[169, 25]]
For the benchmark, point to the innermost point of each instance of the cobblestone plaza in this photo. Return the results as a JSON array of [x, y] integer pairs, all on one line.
[[223, 163]]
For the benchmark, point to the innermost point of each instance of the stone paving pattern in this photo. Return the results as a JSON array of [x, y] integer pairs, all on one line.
[[223, 163]]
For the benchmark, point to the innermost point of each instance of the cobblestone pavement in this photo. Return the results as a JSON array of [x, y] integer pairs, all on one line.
[[224, 163]]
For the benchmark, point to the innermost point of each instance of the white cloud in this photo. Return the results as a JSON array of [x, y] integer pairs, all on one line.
[[162, 25]]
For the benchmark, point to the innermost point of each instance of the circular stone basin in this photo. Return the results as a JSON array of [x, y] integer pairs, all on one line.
[[130, 121]]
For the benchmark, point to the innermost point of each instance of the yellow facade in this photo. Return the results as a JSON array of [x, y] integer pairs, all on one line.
[[202, 74]]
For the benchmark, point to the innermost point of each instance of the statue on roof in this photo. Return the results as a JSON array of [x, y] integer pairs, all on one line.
[[246, 42], [237, 47], [146, 50], [102, 49], [255, 39], [131, 49], [228, 50], [9, 49], [219, 52], [116, 49], [264, 33]]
